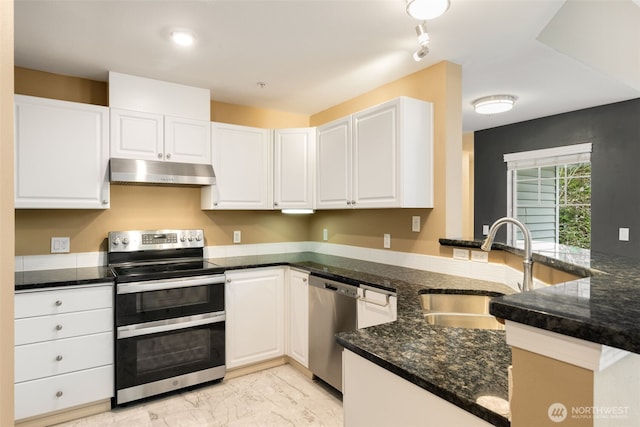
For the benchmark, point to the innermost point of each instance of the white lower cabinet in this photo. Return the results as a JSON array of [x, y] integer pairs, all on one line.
[[63, 391], [373, 396], [63, 348], [255, 315], [298, 317]]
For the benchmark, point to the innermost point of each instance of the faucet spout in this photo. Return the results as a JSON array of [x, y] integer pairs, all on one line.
[[527, 262]]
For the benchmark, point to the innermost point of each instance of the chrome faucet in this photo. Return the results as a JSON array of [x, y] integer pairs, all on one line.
[[527, 262]]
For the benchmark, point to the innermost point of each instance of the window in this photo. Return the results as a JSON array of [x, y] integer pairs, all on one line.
[[550, 191]]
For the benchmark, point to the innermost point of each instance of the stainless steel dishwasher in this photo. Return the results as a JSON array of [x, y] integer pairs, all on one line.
[[332, 309]]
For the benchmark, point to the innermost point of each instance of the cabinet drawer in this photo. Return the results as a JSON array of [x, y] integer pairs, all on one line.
[[49, 358], [42, 303], [375, 308], [63, 391], [45, 328]]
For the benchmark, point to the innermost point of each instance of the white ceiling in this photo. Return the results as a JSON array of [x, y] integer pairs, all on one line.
[[313, 54]]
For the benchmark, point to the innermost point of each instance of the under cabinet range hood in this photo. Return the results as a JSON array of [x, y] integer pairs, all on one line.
[[129, 171]]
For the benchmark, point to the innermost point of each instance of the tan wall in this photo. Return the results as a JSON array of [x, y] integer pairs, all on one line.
[[152, 207], [366, 227], [539, 382], [6, 213]]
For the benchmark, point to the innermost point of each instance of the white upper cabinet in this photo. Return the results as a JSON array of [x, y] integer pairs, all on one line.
[[294, 168], [156, 120], [61, 154], [137, 135], [333, 174], [150, 136], [385, 161], [241, 157]]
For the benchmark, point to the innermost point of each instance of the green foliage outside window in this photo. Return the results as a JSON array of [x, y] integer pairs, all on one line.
[[574, 210]]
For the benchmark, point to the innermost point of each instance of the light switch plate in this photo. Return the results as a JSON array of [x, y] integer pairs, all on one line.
[[415, 224], [485, 229], [387, 241], [325, 234], [60, 245], [237, 236]]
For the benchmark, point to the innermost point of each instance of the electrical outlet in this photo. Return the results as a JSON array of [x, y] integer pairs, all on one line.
[[415, 224], [59, 245], [623, 234], [485, 229], [325, 234], [387, 241], [479, 256], [462, 254], [237, 236]]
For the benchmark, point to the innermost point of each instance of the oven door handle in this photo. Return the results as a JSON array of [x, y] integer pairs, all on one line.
[[161, 284], [169, 325]]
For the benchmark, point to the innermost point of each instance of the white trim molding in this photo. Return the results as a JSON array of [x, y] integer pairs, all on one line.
[[575, 351]]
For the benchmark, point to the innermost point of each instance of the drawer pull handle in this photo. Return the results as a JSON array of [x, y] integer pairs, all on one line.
[[59, 394], [59, 303], [59, 358], [58, 327]]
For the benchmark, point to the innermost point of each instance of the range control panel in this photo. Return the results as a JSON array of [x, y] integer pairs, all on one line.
[[140, 240]]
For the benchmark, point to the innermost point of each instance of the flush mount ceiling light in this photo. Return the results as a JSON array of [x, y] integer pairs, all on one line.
[[183, 38], [426, 9], [494, 104]]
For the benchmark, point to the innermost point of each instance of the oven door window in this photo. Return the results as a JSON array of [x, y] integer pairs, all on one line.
[[163, 304], [147, 358]]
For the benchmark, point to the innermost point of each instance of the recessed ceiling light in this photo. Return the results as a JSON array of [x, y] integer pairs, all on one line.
[[426, 9], [494, 104], [182, 38]]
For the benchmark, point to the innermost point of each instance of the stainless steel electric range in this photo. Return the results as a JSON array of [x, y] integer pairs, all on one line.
[[169, 312]]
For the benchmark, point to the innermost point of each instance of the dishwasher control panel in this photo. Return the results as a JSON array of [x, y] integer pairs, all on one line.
[[334, 286]]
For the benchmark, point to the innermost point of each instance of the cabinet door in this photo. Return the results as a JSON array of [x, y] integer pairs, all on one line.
[[61, 154], [255, 316], [334, 165], [187, 140], [298, 317], [241, 158], [137, 135], [294, 168], [376, 157]]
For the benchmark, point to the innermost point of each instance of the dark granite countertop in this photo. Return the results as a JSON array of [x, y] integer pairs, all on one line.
[[39, 279], [458, 365], [603, 308]]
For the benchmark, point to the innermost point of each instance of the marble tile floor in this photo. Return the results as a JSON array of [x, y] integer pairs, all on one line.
[[279, 396]]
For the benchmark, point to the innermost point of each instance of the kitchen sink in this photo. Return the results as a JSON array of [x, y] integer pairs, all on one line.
[[459, 308]]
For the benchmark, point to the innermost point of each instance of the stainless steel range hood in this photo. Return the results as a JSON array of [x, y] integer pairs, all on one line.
[[157, 172]]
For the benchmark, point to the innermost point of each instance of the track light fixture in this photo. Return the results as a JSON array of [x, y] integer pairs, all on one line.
[[419, 54], [421, 32], [423, 41]]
